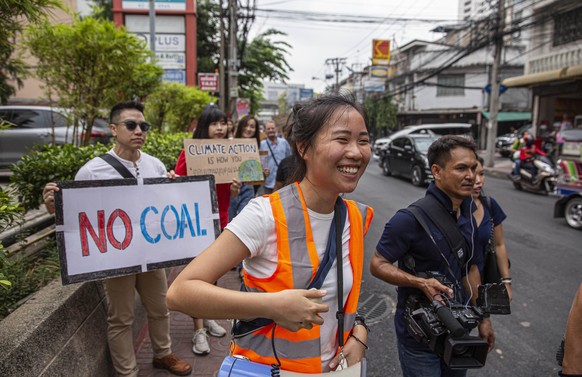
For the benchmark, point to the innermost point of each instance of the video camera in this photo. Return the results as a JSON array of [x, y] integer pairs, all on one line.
[[444, 325]]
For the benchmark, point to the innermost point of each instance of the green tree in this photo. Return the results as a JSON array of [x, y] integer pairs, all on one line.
[[381, 114], [10, 213], [90, 65], [264, 59], [102, 9], [14, 14], [172, 106], [208, 35]]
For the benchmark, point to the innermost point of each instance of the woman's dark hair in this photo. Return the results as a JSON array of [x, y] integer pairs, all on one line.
[[481, 161], [308, 119], [210, 114], [439, 151], [243, 123]]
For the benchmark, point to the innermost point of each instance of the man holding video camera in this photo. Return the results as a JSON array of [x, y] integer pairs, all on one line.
[[433, 272]]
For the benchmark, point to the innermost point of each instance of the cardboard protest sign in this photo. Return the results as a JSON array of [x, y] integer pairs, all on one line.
[[108, 228], [225, 159]]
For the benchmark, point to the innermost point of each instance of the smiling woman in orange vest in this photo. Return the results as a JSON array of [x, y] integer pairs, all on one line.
[[284, 240]]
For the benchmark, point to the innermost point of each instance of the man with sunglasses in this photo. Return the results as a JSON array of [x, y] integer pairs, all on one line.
[[129, 128]]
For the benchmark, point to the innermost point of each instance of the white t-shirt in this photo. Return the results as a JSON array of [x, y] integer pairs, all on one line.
[[96, 169], [255, 227]]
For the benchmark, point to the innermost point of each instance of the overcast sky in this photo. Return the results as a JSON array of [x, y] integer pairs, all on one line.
[[314, 42]]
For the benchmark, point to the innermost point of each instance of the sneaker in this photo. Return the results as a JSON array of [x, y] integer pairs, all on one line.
[[174, 365], [200, 341], [214, 328]]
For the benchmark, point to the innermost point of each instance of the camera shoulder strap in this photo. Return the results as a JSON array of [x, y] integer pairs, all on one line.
[[122, 170], [441, 218], [416, 213]]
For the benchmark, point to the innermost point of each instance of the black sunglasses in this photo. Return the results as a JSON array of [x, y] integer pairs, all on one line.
[[131, 125]]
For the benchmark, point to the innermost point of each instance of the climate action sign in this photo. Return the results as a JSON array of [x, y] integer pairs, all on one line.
[[225, 159], [117, 227]]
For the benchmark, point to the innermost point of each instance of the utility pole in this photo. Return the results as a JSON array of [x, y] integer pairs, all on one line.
[[337, 62], [221, 76], [152, 14], [494, 95], [232, 61]]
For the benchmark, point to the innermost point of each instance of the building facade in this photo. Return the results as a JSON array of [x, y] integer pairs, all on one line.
[[553, 70]]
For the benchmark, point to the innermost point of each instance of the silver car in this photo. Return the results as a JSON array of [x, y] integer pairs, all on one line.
[[25, 127]]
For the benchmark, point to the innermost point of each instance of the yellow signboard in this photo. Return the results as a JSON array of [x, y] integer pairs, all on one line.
[[380, 51]]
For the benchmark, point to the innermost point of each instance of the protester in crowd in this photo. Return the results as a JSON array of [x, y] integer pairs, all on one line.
[[246, 129], [282, 238], [278, 149], [212, 124], [285, 171], [230, 129], [489, 214], [130, 129], [453, 162]]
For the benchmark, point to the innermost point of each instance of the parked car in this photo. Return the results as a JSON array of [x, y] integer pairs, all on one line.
[[569, 188], [27, 127], [463, 129], [504, 142], [378, 145], [406, 155]]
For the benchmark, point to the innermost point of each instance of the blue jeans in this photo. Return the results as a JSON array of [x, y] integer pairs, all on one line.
[[424, 364], [516, 167]]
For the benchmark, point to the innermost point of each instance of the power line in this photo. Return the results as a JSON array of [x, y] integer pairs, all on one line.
[[344, 18]]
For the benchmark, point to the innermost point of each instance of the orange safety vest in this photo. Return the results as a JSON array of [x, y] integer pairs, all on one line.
[[300, 351]]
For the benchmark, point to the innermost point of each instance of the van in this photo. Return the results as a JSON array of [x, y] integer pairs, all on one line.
[[461, 129]]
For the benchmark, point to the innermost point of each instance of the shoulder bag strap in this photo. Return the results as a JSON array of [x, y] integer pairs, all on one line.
[[492, 236], [272, 154], [125, 173]]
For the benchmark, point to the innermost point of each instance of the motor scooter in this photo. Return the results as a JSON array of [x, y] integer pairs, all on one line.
[[545, 180]]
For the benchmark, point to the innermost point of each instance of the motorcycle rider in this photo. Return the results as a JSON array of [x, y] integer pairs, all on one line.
[[518, 143], [527, 155]]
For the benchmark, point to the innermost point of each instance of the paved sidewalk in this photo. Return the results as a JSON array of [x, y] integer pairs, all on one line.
[[181, 330], [502, 168]]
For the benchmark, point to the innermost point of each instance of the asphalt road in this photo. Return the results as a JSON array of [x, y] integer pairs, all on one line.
[[546, 258]]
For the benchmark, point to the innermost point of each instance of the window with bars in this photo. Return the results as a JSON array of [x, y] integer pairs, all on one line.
[[567, 27], [451, 85]]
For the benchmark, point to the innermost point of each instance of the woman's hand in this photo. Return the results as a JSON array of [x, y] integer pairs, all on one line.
[[266, 172], [296, 309], [235, 187], [508, 288], [171, 174], [353, 352]]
